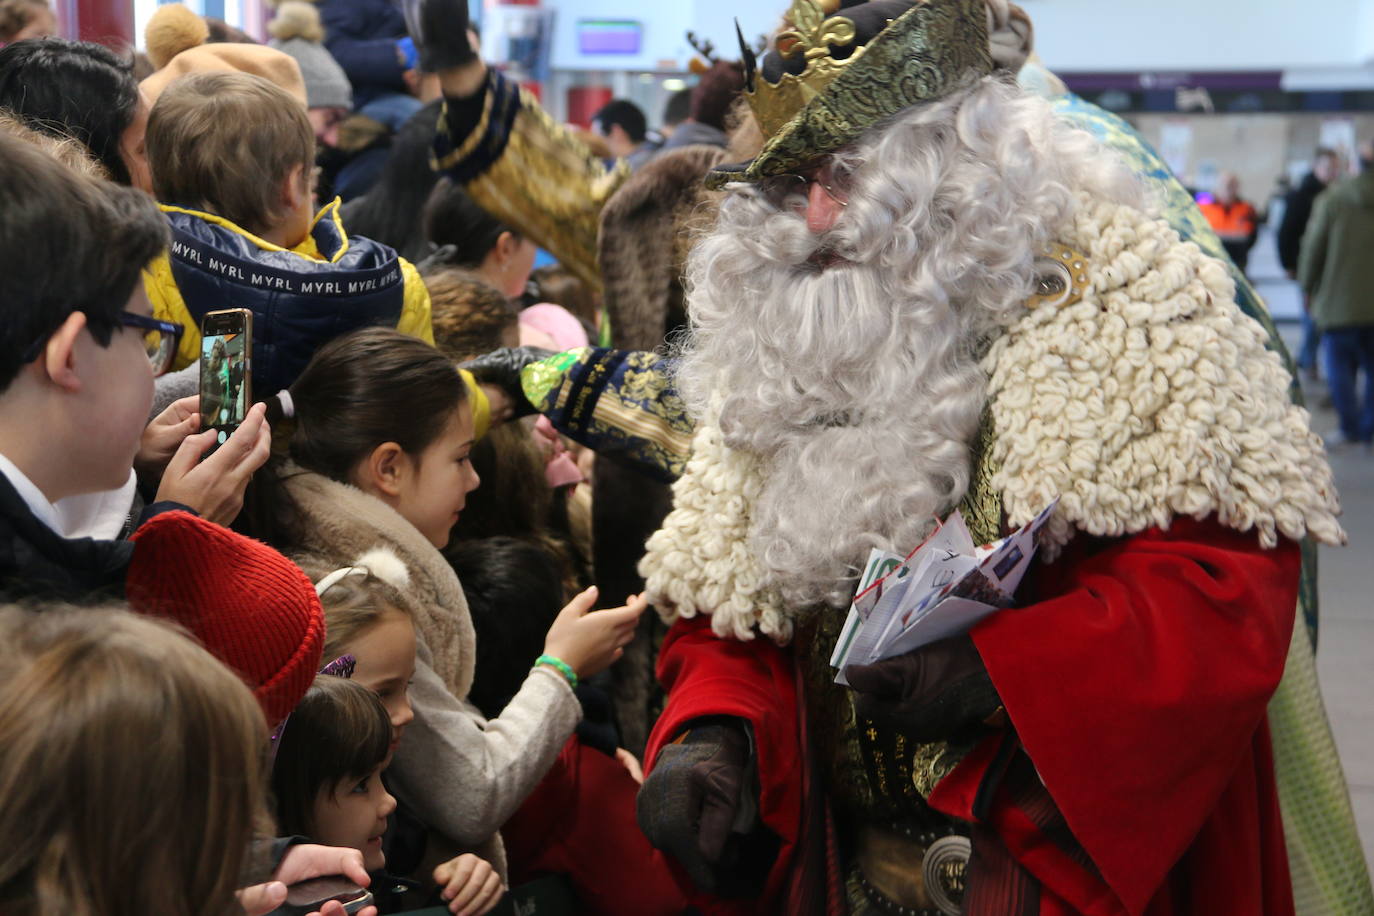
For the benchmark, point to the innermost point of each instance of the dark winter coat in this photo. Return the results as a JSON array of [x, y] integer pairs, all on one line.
[[327, 286], [1297, 211], [362, 36], [37, 563]]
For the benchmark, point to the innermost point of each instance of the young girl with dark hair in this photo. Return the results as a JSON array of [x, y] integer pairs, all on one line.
[[381, 428], [84, 91], [469, 237], [327, 785]]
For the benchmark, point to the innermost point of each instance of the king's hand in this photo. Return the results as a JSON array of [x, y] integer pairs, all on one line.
[[933, 693], [699, 805]]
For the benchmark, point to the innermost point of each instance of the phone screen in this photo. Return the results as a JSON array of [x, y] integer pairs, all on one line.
[[224, 382]]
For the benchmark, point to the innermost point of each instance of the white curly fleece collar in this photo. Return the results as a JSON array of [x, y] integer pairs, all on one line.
[[1151, 397]]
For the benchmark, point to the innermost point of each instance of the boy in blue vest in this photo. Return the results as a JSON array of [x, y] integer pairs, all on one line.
[[232, 156]]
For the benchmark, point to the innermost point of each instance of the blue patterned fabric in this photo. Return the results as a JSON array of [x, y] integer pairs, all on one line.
[[616, 402]]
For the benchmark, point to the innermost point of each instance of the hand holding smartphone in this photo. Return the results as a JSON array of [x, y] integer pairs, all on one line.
[[226, 371], [309, 896]]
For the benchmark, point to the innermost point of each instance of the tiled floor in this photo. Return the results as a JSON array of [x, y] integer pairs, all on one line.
[[1345, 650]]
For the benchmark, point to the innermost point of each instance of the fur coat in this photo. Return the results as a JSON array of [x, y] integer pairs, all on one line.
[[643, 243]]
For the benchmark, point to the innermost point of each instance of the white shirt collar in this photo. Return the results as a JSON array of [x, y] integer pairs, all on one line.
[[32, 496], [96, 515]]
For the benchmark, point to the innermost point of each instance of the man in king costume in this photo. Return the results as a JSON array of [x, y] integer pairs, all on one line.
[[931, 292], [928, 292]]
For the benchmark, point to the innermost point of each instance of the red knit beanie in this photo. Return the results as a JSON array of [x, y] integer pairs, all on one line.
[[251, 607]]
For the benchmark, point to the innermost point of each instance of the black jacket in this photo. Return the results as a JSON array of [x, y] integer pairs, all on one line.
[[1295, 216], [36, 563], [362, 36]]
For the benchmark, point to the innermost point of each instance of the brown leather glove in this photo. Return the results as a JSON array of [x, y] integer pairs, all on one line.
[[930, 694], [699, 805]]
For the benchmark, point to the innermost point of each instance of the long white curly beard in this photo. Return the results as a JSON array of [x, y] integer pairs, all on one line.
[[859, 401], [857, 385]]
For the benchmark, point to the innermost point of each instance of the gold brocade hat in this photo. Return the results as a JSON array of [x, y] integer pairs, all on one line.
[[827, 81]]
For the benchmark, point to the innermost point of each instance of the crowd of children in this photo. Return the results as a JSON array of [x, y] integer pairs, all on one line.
[[310, 650]]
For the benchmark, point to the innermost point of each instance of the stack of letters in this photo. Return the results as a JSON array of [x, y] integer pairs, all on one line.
[[941, 589]]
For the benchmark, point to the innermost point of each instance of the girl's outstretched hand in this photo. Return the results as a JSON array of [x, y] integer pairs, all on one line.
[[631, 764], [590, 641], [469, 885]]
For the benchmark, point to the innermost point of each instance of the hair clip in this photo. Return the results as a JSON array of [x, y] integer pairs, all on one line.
[[288, 406], [274, 741], [343, 666], [340, 667]]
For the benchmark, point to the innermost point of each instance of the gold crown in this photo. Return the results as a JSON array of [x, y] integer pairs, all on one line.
[[811, 34], [932, 49]]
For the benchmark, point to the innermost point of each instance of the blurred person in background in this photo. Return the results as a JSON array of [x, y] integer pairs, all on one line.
[[552, 283], [676, 110], [1326, 168], [711, 101], [21, 19], [1336, 272], [469, 237], [222, 32], [368, 38], [470, 318], [390, 211], [1232, 218], [296, 30], [83, 91], [622, 124]]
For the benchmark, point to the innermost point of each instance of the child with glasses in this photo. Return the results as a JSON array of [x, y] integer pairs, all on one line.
[[78, 352]]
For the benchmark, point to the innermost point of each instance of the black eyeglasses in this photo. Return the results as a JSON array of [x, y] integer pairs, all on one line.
[[160, 340]]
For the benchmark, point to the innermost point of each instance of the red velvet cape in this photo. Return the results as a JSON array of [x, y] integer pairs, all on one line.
[[580, 822], [1136, 676]]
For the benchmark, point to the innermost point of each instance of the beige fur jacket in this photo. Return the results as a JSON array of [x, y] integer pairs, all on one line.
[[462, 774]]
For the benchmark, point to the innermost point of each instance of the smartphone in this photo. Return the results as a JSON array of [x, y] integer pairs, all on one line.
[[309, 896], [226, 371]]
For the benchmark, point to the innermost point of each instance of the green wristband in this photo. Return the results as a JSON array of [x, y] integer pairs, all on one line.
[[560, 666]]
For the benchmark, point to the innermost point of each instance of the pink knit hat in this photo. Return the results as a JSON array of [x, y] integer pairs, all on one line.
[[556, 323]]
